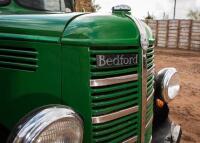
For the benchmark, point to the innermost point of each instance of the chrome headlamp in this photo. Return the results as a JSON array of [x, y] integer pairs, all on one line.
[[168, 81], [58, 124]]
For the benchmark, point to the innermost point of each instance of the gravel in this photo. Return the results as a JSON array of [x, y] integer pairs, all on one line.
[[185, 109]]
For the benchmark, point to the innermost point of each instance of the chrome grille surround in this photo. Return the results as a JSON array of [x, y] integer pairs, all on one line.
[[146, 71], [144, 94]]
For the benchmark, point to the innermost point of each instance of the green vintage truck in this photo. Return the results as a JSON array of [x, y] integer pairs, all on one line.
[[69, 77]]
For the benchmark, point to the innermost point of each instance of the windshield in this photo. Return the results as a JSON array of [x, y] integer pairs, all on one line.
[[48, 5]]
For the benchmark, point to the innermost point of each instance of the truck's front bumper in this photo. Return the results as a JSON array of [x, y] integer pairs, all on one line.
[[167, 132]]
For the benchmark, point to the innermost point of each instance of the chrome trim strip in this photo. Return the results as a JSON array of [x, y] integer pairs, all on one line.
[[149, 122], [150, 97], [150, 140], [131, 140], [151, 70], [113, 80], [151, 47], [115, 115]]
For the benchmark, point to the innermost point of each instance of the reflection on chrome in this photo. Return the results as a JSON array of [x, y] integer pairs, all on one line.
[[169, 82], [113, 80], [115, 115]]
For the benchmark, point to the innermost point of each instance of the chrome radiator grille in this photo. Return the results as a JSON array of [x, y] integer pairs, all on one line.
[[115, 99], [117, 130]]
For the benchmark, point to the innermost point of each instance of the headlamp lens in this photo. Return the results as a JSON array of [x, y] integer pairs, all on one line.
[[173, 87], [62, 131], [56, 124], [168, 83]]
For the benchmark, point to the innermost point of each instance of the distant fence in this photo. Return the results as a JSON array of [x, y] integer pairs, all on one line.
[[183, 34]]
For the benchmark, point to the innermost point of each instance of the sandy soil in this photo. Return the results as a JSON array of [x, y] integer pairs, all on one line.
[[185, 109]]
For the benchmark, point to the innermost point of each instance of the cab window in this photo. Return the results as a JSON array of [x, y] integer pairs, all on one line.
[[47, 5]]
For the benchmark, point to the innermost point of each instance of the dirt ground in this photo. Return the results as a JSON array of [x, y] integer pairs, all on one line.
[[185, 109]]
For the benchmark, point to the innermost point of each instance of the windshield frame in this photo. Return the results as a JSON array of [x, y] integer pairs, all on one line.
[[45, 10]]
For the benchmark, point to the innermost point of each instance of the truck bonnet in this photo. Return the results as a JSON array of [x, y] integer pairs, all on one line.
[[34, 27]]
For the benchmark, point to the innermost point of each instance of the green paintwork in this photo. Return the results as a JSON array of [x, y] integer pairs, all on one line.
[[94, 29], [149, 33], [35, 27], [63, 44], [22, 91]]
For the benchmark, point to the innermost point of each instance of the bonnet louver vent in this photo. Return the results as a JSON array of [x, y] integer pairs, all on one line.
[[17, 58]]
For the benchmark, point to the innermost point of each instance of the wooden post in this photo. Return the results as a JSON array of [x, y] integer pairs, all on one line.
[[178, 34], [167, 34], [190, 35], [174, 9], [156, 33]]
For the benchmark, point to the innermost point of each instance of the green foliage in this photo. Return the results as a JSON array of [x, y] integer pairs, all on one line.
[[149, 16], [194, 14], [95, 7]]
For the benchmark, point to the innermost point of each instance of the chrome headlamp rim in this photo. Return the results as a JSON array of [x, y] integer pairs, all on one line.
[[166, 75], [34, 123]]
